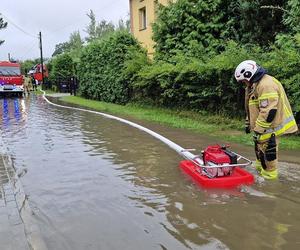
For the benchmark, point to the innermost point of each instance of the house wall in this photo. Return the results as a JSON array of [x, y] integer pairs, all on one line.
[[144, 35]]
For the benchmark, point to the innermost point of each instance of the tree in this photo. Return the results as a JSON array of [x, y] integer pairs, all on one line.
[[62, 67], [28, 64], [189, 26], [60, 48], [292, 15], [200, 28], [91, 28], [254, 22], [3, 25], [98, 30], [123, 25], [101, 67], [104, 28], [75, 43]]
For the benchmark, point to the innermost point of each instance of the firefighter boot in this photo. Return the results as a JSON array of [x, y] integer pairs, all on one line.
[[269, 174], [258, 166]]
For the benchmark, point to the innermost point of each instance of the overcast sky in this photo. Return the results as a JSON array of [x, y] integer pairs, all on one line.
[[56, 19]]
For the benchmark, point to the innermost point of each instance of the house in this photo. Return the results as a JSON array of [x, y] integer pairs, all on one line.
[[142, 15]]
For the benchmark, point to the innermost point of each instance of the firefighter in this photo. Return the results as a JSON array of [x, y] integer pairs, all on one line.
[[33, 82], [268, 115], [26, 84], [30, 87]]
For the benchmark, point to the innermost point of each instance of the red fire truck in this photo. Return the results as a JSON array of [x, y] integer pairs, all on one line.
[[36, 71], [11, 80]]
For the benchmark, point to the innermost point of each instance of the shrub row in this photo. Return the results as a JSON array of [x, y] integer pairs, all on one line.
[[101, 65], [118, 70], [209, 84]]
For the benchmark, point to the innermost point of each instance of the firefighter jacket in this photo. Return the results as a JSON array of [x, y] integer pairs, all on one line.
[[27, 81], [269, 110]]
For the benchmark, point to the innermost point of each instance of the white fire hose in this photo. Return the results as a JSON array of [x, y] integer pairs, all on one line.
[[181, 151]]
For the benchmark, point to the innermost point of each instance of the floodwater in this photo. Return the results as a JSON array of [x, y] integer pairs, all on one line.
[[95, 183]]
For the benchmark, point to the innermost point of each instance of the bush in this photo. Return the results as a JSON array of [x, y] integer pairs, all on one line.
[[283, 62], [62, 67], [209, 84], [101, 68], [195, 84]]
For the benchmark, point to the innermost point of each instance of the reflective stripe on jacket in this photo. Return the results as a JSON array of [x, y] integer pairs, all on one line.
[[266, 95]]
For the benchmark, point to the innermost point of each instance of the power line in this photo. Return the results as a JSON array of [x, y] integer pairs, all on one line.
[[104, 7], [18, 27], [29, 50]]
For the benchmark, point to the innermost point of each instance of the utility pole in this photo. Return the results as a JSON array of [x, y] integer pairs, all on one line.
[[42, 62]]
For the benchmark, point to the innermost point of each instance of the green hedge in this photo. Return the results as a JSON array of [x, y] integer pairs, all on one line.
[[283, 61], [61, 66], [193, 83], [101, 65], [209, 84]]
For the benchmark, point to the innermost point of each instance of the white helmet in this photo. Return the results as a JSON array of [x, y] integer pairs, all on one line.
[[245, 70]]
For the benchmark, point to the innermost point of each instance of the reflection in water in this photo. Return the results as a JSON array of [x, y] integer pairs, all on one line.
[[12, 112], [5, 112], [17, 112], [95, 183]]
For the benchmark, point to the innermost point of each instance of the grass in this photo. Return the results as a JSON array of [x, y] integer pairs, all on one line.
[[222, 127]]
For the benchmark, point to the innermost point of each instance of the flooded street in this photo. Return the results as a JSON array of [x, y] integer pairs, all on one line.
[[95, 183]]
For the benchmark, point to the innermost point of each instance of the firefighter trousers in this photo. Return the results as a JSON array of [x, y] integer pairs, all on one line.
[[267, 158]]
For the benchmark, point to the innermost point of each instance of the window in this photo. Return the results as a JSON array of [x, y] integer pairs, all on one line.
[[143, 18], [10, 71]]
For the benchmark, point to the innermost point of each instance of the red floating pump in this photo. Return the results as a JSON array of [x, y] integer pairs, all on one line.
[[220, 168], [217, 155]]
